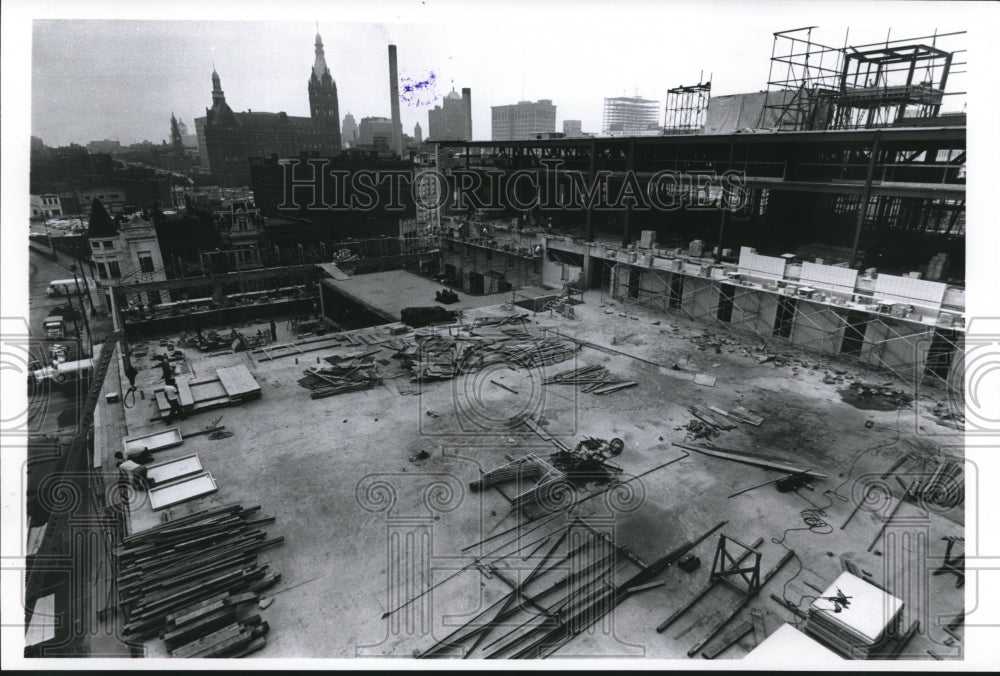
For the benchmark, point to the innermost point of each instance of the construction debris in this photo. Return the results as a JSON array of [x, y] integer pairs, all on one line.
[[342, 374], [699, 430], [439, 356], [591, 379], [590, 457], [182, 579], [875, 397]]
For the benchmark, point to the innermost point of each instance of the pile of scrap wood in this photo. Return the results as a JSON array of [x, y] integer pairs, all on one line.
[[441, 357], [500, 321], [342, 374], [208, 559], [592, 379], [719, 418], [536, 352]]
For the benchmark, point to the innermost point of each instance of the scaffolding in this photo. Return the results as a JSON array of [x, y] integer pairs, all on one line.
[[630, 116], [812, 86], [937, 350], [687, 107]]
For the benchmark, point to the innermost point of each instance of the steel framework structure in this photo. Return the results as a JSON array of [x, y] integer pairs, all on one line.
[[862, 86], [629, 115], [686, 108]]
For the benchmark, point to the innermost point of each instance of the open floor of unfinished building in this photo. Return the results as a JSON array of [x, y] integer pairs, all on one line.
[[394, 544]]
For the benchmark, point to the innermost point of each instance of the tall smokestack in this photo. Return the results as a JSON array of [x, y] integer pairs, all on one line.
[[397, 137], [467, 102]]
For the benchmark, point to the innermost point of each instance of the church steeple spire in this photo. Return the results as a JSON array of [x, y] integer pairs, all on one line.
[[319, 67], [217, 94], [220, 112], [323, 106]]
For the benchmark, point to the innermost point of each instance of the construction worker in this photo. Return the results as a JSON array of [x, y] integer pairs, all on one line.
[[140, 455], [131, 471], [168, 371], [173, 400]]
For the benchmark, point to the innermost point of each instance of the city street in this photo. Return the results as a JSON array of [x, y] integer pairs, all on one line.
[[54, 409]]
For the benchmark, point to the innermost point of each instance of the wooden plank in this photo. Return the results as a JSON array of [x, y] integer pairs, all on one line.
[[704, 379], [181, 491], [210, 621], [750, 460], [161, 402], [155, 441], [743, 415], [184, 394], [226, 646], [156, 530], [207, 641], [707, 416], [728, 641], [168, 470], [211, 389], [193, 612], [237, 381], [759, 630], [251, 647]]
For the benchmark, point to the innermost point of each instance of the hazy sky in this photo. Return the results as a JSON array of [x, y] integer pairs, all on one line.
[[121, 79]]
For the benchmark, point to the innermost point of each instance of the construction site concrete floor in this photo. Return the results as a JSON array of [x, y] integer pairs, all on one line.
[[363, 523]]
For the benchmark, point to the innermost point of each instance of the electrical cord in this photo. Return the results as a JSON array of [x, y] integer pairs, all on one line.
[[813, 517]]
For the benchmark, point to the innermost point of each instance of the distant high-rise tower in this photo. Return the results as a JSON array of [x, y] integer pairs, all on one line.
[[349, 137], [452, 120], [323, 106], [467, 103], [524, 121], [418, 133]]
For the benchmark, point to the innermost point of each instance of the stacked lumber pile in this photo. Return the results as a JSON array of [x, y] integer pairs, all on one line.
[[854, 618], [592, 379], [500, 321], [212, 630], [341, 374], [537, 352], [207, 559]]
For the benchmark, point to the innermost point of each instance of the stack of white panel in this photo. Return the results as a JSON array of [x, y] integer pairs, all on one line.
[[854, 628]]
